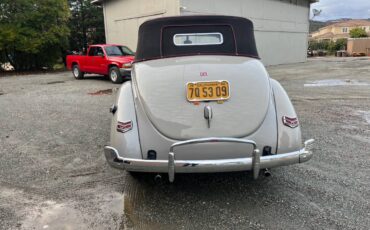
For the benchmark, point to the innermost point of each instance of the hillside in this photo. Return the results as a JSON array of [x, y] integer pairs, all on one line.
[[316, 25]]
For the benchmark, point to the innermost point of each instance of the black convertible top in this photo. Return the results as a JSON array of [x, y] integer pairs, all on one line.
[[156, 37]]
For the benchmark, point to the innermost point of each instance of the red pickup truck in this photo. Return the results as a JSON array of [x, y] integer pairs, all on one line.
[[110, 60]]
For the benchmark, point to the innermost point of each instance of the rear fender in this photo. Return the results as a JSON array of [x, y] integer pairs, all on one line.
[[71, 63], [127, 144], [289, 139]]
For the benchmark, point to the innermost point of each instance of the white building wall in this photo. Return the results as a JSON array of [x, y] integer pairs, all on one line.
[[123, 17], [281, 26]]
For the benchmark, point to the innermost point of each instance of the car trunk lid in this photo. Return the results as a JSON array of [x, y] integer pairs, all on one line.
[[161, 88]]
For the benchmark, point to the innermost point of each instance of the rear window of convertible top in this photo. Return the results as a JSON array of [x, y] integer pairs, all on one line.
[[173, 43], [198, 39]]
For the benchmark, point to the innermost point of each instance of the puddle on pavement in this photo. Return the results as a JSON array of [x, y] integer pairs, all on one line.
[[103, 92], [54, 216], [364, 114], [336, 82], [55, 82], [360, 138]]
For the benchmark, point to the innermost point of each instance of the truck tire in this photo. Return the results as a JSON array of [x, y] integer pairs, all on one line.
[[77, 72], [115, 75]]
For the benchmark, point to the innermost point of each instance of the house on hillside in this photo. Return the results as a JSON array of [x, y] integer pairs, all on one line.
[[281, 26], [339, 30]]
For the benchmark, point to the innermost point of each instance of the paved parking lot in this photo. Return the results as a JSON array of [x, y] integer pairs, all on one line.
[[53, 174]]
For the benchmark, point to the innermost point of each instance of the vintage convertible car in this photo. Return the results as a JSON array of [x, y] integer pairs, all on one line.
[[201, 101]]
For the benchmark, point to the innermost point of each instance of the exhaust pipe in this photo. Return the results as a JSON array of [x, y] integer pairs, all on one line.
[[158, 178], [267, 172]]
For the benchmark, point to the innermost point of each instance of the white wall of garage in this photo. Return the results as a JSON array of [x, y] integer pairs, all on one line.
[[122, 18], [281, 26]]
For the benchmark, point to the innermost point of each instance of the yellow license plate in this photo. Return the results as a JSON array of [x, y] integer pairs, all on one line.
[[208, 91]]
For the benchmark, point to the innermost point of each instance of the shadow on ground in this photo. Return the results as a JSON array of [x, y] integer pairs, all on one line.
[[92, 77]]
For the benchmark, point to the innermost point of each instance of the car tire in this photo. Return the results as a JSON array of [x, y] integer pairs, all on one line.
[[115, 75], [77, 74]]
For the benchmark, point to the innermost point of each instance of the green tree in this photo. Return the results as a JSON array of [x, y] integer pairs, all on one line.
[[33, 32], [341, 44], [358, 33], [86, 24]]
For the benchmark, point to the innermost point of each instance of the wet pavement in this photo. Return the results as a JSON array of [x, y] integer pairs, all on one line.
[[53, 173]]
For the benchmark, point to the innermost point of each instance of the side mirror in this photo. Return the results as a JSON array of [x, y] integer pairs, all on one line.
[[101, 54]]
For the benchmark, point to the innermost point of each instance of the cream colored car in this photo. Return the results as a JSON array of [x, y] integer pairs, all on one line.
[[201, 101]]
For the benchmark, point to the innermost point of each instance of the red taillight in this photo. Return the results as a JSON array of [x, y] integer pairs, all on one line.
[[123, 127], [290, 122]]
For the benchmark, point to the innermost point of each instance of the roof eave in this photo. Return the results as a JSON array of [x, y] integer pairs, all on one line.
[[96, 2], [99, 2]]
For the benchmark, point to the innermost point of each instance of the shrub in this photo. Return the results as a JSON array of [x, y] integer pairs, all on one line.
[[329, 46], [358, 33]]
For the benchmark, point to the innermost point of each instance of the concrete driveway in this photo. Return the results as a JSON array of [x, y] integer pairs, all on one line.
[[53, 174]]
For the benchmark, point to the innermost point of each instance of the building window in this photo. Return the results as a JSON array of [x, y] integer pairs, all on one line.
[[345, 30]]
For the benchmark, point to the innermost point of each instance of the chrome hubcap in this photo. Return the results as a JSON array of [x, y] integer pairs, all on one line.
[[113, 75], [75, 72]]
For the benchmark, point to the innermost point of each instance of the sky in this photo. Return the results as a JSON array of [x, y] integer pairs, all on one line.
[[334, 9]]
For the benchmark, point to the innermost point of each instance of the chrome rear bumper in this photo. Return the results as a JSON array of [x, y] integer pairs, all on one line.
[[172, 166]]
